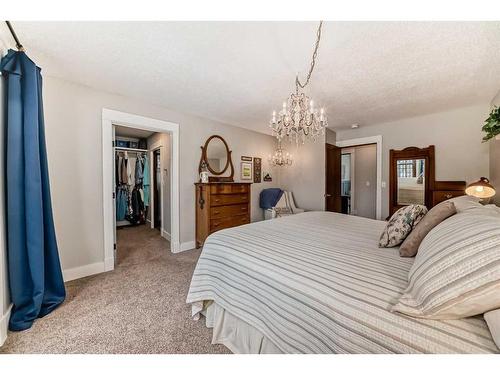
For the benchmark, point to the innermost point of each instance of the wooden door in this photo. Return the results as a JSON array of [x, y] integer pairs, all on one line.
[[333, 200]]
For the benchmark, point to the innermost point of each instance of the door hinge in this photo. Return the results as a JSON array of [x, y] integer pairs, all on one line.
[[113, 195], [114, 246], [113, 143]]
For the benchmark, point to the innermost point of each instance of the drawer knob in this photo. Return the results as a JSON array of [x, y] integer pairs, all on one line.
[[448, 196], [243, 208], [216, 212]]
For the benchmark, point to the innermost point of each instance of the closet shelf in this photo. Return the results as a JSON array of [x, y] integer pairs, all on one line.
[[130, 149]]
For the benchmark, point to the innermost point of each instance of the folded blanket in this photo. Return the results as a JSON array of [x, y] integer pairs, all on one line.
[[269, 197]]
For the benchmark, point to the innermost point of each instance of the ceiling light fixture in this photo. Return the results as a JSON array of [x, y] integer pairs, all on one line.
[[281, 158], [298, 119]]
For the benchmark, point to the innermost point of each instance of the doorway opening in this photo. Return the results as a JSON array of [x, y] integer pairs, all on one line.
[[354, 177], [359, 180], [129, 199], [141, 179]]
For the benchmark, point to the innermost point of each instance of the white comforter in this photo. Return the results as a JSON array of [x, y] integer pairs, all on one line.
[[318, 283]]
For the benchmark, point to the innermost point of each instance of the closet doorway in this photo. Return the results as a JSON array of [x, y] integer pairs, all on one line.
[[141, 175], [128, 198]]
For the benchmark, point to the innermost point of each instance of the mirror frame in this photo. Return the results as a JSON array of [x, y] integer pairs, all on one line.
[[229, 163], [411, 153]]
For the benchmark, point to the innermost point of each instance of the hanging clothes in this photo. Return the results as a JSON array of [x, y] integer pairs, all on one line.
[[138, 170], [123, 169], [130, 172], [117, 169], [121, 203], [145, 181]]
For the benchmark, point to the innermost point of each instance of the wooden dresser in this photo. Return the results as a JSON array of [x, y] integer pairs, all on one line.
[[444, 190], [220, 205]]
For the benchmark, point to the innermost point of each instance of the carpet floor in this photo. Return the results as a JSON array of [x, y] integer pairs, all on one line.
[[137, 308]]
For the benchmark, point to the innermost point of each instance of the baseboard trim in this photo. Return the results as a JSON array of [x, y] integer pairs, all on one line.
[[83, 271], [4, 325], [190, 245], [165, 234]]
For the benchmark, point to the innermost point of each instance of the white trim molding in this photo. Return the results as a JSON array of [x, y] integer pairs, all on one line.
[[83, 271], [165, 234], [190, 245], [4, 325], [109, 119], [377, 139]]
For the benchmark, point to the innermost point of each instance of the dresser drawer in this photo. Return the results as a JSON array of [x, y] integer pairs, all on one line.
[[442, 195], [228, 222], [229, 189], [228, 211], [224, 199]]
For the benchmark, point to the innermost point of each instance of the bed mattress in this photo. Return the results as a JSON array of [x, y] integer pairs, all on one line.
[[317, 282]]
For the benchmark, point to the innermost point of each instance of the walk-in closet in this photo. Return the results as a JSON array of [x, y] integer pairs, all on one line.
[[142, 186]]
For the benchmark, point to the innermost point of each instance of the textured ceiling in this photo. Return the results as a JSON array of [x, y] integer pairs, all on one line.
[[237, 72]]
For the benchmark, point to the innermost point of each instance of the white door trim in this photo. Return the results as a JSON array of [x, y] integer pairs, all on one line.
[[151, 195], [109, 118], [377, 139]]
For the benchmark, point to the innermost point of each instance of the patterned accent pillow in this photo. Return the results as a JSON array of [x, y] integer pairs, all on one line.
[[456, 272], [401, 224]]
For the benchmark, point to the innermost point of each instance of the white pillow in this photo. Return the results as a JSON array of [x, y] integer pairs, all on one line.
[[456, 272], [493, 320], [465, 202]]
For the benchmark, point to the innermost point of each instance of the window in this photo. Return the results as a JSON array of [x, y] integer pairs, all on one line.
[[406, 168]]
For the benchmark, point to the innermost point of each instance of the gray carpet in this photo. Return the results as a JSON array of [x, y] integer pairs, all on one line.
[[137, 308]]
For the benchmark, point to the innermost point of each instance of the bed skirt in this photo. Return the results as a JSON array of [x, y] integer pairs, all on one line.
[[235, 334]]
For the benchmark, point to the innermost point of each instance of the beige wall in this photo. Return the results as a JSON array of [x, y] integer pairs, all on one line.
[[330, 136], [306, 177], [460, 155], [494, 145], [73, 127], [494, 175]]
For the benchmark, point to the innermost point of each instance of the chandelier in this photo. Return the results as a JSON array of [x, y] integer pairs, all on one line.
[[299, 119], [281, 158]]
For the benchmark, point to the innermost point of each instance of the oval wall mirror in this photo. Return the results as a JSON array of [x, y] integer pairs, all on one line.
[[217, 157]]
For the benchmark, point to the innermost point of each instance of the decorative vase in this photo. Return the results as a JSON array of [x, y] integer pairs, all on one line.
[[204, 177]]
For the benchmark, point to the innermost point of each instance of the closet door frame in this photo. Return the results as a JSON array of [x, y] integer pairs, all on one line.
[[151, 195], [109, 119]]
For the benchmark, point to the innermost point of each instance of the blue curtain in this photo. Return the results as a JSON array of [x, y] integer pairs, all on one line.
[[35, 277]]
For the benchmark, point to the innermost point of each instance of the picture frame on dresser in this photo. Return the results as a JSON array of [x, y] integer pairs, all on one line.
[[246, 171]]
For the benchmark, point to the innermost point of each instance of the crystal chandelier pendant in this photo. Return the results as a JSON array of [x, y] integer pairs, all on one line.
[[281, 158], [299, 120]]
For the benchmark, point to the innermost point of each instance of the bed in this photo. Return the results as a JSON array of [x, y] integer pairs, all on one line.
[[316, 282]]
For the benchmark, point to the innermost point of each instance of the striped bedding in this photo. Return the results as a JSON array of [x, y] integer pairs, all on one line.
[[318, 283]]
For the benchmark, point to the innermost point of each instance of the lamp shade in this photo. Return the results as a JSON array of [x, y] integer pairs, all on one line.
[[480, 189]]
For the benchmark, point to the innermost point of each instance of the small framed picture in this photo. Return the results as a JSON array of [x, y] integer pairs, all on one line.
[[246, 158], [257, 170], [246, 170]]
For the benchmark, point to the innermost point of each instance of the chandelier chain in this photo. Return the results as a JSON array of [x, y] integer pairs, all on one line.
[[313, 62]]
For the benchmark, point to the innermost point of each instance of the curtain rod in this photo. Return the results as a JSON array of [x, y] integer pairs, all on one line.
[[19, 46]]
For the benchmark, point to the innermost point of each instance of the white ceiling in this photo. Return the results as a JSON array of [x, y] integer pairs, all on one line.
[[238, 72]]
